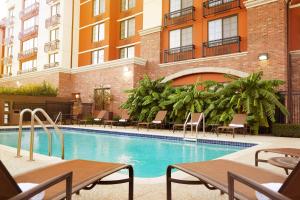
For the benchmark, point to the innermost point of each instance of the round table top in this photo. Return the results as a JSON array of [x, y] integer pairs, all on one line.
[[284, 162]]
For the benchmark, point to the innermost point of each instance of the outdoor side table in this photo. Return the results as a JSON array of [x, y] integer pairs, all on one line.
[[287, 163]]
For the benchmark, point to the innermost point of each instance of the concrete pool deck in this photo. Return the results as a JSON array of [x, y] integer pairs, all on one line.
[[155, 188]]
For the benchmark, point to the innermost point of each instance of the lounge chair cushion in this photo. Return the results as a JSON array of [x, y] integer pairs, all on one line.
[[27, 186], [156, 122], [236, 125], [122, 120], [96, 119], [193, 123], [272, 186]]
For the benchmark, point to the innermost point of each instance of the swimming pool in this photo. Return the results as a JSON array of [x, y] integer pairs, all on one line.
[[148, 154]]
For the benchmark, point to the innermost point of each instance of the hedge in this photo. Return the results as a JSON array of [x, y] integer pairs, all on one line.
[[286, 130]]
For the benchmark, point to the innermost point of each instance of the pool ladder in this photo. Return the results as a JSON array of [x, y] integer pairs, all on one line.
[[34, 118], [192, 124]]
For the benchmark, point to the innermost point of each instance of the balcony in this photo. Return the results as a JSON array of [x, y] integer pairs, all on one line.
[[49, 2], [29, 33], [211, 7], [30, 11], [27, 53], [52, 21], [51, 65], [222, 46], [24, 71], [9, 40], [179, 16], [179, 53], [8, 60], [51, 46]]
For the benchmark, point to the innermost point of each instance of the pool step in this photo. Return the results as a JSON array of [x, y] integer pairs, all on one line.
[[190, 139]]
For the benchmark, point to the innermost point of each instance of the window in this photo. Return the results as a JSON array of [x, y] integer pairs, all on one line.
[[180, 4], [29, 23], [181, 37], [30, 44], [127, 28], [98, 57], [28, 3], [213, 3], [54, 58], [10, 51], [99, 7], [127, 52], [11, 13], [28, 65], [98, 32], [222, 28], [7, 70], [54, 34], [128, 4], [10, 31], [55, 9]]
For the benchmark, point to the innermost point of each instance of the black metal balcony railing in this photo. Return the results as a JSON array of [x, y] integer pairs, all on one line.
[[179, 16], [30, 11], [217, 6], [27, 53], [51, 46], [51, 65], [28, 32], [52, 21], [222, 46], [179, 53], [24, 71]]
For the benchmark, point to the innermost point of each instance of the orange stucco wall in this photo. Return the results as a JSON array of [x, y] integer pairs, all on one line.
[[112, 39], [200, 26], [193, 78], [2, 36], [294, 38]]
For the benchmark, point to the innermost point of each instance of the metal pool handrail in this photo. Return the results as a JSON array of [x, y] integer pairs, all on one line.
[[33, 118]]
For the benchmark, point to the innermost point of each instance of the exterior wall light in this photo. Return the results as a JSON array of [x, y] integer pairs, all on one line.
[[263, 56]]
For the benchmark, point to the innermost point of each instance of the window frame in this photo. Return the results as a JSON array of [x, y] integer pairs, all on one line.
[[127, 5], [92, 58], [126, 28], [180, 5], [126, 52], [222, 18], [180, 36], [98, 35], [100, 11]]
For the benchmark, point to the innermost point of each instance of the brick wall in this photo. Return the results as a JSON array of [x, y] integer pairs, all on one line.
[[295, 65]]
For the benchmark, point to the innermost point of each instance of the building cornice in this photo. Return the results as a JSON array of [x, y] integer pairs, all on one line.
[[150, 30], [110, 64], [233, 55], [296, 52], [255, 3]]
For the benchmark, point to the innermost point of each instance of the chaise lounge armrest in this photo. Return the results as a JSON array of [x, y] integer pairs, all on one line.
[[45, 185], [252, 184]]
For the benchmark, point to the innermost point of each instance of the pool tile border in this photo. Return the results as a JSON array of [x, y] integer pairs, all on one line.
[[203, 141]]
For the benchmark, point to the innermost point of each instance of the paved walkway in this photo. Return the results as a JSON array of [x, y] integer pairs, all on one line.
[[152, 189]]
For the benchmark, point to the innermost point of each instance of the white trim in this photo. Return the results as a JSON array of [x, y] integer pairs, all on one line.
[[233, 55], [295, 5], [150, 30], [255, 3], [84, 2], [95, 23], [98, 48], [296, 52], [129, 17], [222, 70], [128, 45]]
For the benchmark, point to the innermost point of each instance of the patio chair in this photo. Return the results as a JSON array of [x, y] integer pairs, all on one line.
[[79, 175], [287, 152], [100, 117], [159, 120], [222, 174], [123, 120], [238, 122], [193, 120]]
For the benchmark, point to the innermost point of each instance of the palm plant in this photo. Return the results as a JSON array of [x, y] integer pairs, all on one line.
[[251, 95], [147, 99]]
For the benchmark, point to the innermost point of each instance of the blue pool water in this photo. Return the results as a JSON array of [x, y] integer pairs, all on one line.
[[149, 156]]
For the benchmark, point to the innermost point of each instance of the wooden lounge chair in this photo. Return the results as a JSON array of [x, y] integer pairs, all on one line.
[[238, 122], [123, 120], [159, 120], [291, 152], [86, 175], [195, 119], [100, 117], [219, 175]]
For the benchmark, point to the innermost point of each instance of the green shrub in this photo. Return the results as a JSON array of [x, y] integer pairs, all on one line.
[[44, 89], [286, 130]]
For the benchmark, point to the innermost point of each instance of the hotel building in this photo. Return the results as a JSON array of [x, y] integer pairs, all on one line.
[[83, 45]]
